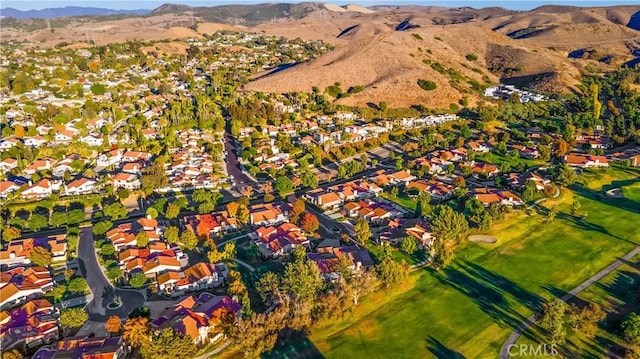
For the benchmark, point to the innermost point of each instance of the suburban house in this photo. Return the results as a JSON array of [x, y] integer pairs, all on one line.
[[7, 187], [41, 189], [197, 277], [485, 169], [519, 180], [39, 165], [85, 348], [33, 324], [328, 257], [20, 284], [585, 161], [8, 164], [268, 214], [489, 195], [372, 211], [80, 186], [398, 230], [279, 240], [196, 318], [16, 252], [129, 181], [210, 223]]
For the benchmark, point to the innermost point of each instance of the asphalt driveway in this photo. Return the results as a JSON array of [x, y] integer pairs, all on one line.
[[103, 291]]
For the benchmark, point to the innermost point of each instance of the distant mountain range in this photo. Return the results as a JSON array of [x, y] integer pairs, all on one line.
[[51, 13]]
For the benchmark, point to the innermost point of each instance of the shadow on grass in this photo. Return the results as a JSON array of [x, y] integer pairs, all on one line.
[[298, 348], [441, 351], [488, 291], [600, 196]]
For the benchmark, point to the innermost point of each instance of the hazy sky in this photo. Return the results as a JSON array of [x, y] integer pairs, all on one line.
[[150, 4]]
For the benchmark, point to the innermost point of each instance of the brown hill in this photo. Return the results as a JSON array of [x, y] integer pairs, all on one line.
[[514, 46]]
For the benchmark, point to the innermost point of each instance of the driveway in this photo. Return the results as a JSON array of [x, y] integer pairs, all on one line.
[[103, 291]]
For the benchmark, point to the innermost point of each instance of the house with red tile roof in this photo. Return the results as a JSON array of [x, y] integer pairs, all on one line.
[[41, 189], [16, 252], [268, 214], [491, 195], [33, 324], [7, 187], [398, 230], [80, 186], [585, 160], [20, 284], [276, 241], [211, 223], [197, 277], [327, 259], [85, 348], [196, 317], [485, 169]]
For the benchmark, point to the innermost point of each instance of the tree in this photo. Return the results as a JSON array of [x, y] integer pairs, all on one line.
[[78, 285], [142, 239], [58, 219], [530, 192], [575, 207], [442, 254], [409, 245], [115, 211], [138, 280], [310, 223], [58, 293], [206, 207], [232, 208], [423, 207], [565, 175], [552, 321], [188, 239], [390, 272], [268, 287], [173, 210], [11, 233], [102, 227], [172, 235], [152, 213], [362, 231], [229, 252], [586, 319], [301, 280], [123, 193], [360, 284], [72, 318], [114, 273], [214, 255], [447, 223], [76, 216], [630, 327], [113, 324], [12, 354], [37, 222], [284, 186], [551, 215], [168, 344], [136, 332], [40, 256], [107, 249], [298, 209]]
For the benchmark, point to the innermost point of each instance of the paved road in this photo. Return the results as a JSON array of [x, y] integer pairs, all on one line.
[[103, 291], [504, 352], [233, 165]]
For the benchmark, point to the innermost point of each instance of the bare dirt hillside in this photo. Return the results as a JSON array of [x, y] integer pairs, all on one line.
[[386, 51]]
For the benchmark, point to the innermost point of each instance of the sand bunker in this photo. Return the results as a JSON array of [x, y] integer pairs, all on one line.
[[478, 238]]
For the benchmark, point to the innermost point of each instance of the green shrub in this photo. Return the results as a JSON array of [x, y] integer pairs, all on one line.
[[427, 85], [472, 57]]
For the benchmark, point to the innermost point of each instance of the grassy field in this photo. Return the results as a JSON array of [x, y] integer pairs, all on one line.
[[632, 192], [404, 201], [616, 293], [470, 308]]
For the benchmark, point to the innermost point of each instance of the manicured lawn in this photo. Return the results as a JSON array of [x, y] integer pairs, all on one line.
[[473, 306], [498, 159], [404, 201], [616, 293], [632, 192]]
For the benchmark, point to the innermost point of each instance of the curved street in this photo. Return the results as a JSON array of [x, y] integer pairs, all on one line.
[[513, 338], [103, 291]]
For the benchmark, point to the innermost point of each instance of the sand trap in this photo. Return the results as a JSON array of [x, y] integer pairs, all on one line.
[[479, 238], [615, 193]]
